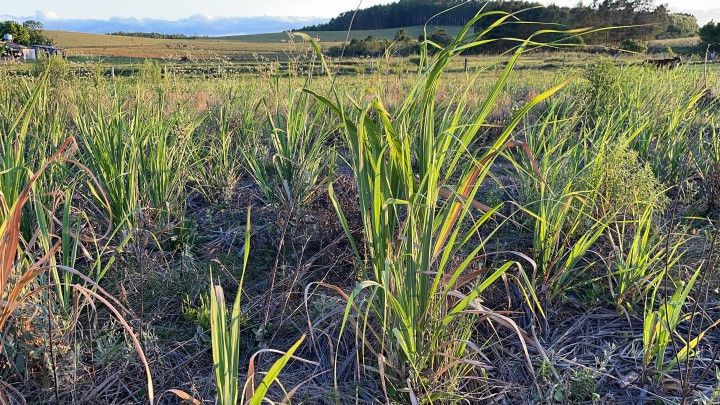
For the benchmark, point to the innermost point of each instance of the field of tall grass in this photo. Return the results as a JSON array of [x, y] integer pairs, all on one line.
[[490, 236]]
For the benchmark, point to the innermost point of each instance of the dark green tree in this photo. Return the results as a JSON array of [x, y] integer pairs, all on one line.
[[681, 26], [440, 37], [20, 33], [36, 34], [643, 20], [710, 35], [402, 36], [28, 33]]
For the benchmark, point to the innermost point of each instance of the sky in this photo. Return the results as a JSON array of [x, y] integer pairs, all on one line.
[[221, 17]]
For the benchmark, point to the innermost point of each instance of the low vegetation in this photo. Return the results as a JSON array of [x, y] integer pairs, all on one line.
[[443, 234]]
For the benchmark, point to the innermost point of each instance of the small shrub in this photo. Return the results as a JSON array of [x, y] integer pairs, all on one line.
[[57, 67], [582, 385], [605, 86], [197, 313], [150, 72], [624, 183], [633, 45]]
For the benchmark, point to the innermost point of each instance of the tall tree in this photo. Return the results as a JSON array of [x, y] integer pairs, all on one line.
[[36, 34], [681, 26], [710, 35], [20, 33]]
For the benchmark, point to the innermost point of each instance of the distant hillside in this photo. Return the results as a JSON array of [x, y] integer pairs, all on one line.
[[403, 13], [99, 45], [340, 36], [644, 20]]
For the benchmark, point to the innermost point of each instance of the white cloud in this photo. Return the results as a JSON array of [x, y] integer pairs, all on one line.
[[703, 15], [46, 15]]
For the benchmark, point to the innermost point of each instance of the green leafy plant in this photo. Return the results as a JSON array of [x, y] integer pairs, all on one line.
[[417, 180], [560, 205], [112, 150], [225, 340], [197, 313], [15, 280], [662, 317], [298, 149], [225, 334], [640, 263]]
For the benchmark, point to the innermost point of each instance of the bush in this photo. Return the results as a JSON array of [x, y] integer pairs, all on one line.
[[710, 35], [604, 84], [625, 183], [366, 47], [58, 67], [150, 72], [633, 45]]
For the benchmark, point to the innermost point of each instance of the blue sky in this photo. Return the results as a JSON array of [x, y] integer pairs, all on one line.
[[218, 17]]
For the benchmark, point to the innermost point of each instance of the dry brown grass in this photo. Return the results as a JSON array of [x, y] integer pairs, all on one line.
[[81, 44]]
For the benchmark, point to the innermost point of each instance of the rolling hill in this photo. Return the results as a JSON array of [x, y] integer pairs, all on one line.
[[234, 47], [99, 45], [340, 36]]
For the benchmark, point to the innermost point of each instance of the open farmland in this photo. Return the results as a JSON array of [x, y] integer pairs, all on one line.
[[532, 227], [97, 45], [239, 47], [341, 36]]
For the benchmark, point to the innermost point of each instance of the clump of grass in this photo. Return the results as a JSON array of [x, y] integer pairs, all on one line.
[[112, 150], [560, 204], [140, 157], [291, 166], [221, 144], [662, 318], [14, 286], [197, 313], [640, 260], [417, 178]]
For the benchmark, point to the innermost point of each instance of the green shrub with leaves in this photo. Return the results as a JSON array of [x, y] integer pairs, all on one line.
[[633, 45], [605, 88], [57, 67], [623, 183]]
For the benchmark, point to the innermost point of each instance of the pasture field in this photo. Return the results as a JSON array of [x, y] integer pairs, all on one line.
[[99, 45], [341, 36], [539, 228], [245, 48]]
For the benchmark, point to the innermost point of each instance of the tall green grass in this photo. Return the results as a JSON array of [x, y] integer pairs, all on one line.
[[417, 174], [225, 339], [292, 162]]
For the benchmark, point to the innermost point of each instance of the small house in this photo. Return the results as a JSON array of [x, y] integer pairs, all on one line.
[[13, 51]]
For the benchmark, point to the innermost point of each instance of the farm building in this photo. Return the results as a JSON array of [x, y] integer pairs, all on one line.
[[48, 50], [13, 51]]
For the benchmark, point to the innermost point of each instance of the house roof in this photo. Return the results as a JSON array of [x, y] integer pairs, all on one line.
[[13, 46], [47, 47]]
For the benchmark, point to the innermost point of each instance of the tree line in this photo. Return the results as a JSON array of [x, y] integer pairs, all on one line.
[[647, 20], [156, 35], [710, 36]]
